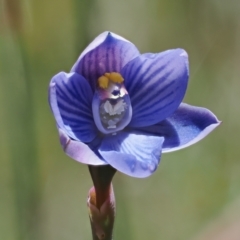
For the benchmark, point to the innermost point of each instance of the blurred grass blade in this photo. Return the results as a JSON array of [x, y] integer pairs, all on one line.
[[19, 121]]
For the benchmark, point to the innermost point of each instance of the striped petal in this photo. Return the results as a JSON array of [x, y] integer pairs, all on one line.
[[70, 98], [186, 126], [78, 150], [156, 84], [132, 153], [107, 53]]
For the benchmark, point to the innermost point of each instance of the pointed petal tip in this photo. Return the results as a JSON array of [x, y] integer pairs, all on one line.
[[198, 138], [108, 34], [203, 123], [114, 35], [183, 53], [101, 38], [215, 120]]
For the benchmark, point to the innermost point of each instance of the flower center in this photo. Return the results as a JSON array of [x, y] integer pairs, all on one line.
[[112, 109]]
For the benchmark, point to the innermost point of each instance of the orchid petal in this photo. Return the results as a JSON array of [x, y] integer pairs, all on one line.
[[70, 97], [78, 150], [107, 53], [186, 126], [157, 84], [134, 153]]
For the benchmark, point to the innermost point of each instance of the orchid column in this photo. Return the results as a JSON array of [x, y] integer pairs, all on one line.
[[120, 110]]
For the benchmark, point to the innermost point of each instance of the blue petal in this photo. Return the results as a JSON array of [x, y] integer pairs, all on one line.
[[156, 84], [70, 97], [134, 153], [78, 150], [186, 126], [107, 53]]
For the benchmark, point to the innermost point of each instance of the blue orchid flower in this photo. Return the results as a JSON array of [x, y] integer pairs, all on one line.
[[123, 108]]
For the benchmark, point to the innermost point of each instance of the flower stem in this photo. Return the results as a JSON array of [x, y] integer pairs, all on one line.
[[101, 202]]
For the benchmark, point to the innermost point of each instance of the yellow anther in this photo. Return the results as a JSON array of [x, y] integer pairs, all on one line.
[[115, 77], [107, 74], [103, 82]]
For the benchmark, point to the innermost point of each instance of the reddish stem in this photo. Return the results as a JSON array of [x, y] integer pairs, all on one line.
[[101, 202], [102, 178]]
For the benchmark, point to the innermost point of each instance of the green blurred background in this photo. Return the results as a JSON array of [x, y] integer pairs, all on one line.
[[194, 193]]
